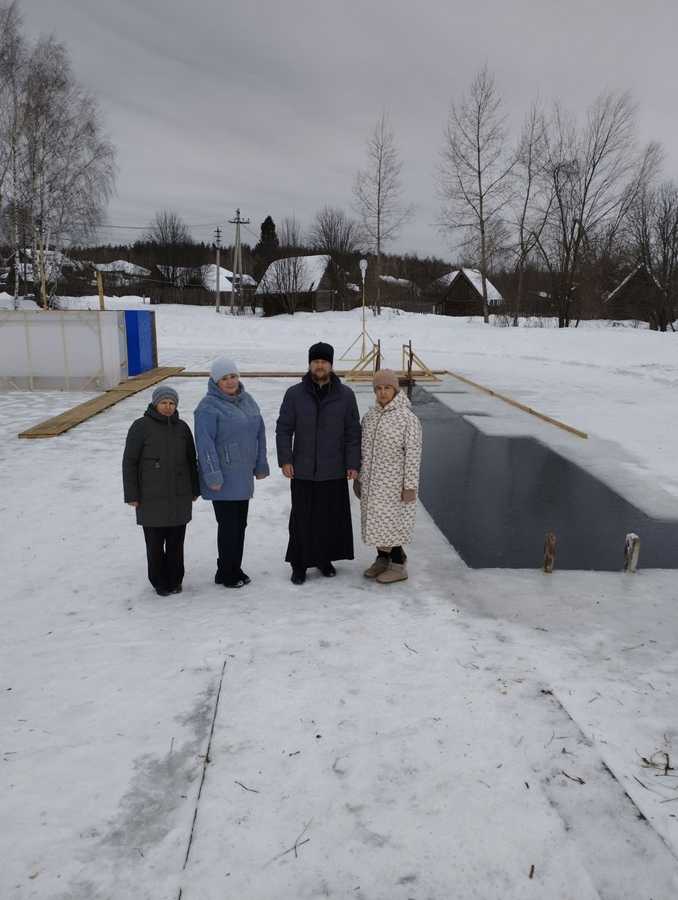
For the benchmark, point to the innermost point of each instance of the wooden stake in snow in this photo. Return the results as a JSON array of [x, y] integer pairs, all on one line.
[[100, 288], [631, 552], [549, 552]]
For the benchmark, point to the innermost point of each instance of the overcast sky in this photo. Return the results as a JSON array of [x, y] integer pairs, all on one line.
[[267, 104]]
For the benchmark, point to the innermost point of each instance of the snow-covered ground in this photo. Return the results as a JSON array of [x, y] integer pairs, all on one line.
[[427, 740]]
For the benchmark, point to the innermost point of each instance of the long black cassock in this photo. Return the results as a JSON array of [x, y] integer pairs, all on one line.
[[318, 432]]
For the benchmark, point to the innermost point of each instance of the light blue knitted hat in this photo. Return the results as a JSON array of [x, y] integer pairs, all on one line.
[[223, 366]]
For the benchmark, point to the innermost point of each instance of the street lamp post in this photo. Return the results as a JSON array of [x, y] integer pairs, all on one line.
[[364, 335], [363, 270]]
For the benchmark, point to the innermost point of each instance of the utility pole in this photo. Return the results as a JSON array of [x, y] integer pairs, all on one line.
[[236, 285], [217, 244]]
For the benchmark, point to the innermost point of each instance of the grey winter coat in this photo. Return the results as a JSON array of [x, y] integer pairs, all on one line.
[[319, 436], [159, 469]]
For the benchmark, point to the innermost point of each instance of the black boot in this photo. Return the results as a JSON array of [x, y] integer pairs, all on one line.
[[328, 570], [298, 576], [234, 583]]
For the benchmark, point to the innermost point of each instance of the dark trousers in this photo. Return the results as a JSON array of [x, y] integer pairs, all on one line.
[[165, 555], [232, 522]]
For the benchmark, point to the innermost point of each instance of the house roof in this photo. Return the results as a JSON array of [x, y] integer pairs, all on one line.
[[622, 284], [209, 279], [391, 279], [475, 278], [54, 260], [208, 275], [306, 276], [122, 267]]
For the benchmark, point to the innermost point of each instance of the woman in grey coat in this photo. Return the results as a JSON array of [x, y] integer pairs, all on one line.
[[160, 480]]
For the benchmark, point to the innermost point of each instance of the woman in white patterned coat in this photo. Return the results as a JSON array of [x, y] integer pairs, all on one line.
[[389, 477]]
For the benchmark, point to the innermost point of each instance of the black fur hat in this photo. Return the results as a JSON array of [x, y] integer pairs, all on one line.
[[321, 351]]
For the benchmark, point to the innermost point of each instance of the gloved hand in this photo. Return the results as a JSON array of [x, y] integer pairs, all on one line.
[[409, 495]]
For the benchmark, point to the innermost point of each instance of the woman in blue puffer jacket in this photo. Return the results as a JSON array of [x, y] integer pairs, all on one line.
[[231, 444]]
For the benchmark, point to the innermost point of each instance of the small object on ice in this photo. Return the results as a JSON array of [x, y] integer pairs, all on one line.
[[532, 871], [245, 788], [549, 552], [631, 552], [575, 778]]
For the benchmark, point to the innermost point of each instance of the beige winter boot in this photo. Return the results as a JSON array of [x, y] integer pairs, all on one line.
[[394, 572], [379, 566]]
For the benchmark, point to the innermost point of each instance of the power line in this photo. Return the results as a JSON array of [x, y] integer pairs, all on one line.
[[148, 226]]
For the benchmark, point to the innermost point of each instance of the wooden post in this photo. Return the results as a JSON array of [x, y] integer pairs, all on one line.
[[549, 552], [631, 552], [100, 287]]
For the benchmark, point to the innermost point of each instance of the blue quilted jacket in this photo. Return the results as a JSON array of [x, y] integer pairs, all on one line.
[[231, 444]]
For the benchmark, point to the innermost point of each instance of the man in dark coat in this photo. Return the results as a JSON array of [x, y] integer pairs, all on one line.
[[160, 479], [318, 443]]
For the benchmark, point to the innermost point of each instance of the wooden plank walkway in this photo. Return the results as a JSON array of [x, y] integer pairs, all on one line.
[[78, 414], [342, 373], [83, 411]]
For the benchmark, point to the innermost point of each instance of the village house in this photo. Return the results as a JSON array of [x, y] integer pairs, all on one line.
[[640, 297], [460, 293], [305, 283]]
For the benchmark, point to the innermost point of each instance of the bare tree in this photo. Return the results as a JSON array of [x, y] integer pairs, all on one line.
[[11, 47], [171, 236], [68, 164], [531, 199], [12, 63], [284, 278], [291, 233], [654, 232], [473, 176], [333, 232], [596, 174], [377, 192], [56, 166]]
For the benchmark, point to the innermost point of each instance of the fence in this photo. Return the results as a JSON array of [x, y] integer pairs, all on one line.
[[74, 350]]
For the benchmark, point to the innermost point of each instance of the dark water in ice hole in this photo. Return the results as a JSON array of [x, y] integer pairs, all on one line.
[[494, 499]]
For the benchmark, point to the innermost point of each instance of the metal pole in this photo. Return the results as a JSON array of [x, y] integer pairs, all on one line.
[[363, 270], [362, 350], [236, 286], [217, 241]]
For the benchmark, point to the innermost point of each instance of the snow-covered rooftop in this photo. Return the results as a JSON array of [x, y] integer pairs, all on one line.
[[629, 277], [185, 275], [298, 273], [474, 276], [122, 267], [55, 262], [391, 279], [209, 279]]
